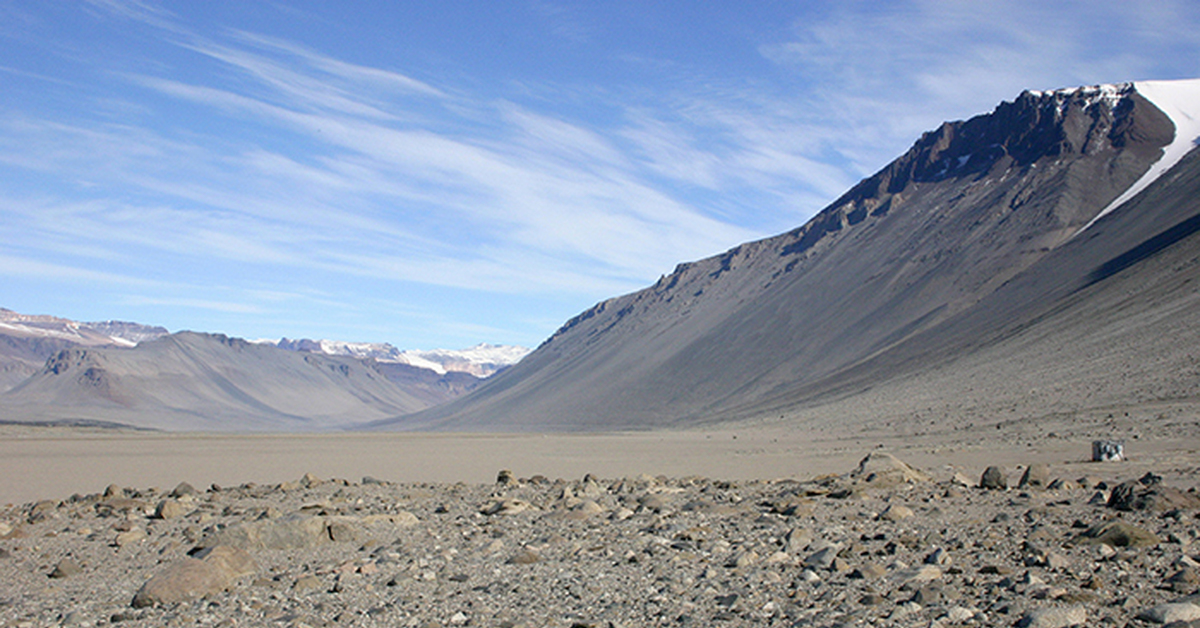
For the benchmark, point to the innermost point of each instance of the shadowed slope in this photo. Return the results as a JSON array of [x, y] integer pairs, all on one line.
[[902, 272]]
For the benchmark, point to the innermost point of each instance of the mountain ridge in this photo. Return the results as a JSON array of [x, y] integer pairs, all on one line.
[[972, 206]]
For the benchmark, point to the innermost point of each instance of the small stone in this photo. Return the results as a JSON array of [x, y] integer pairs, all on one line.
[[959, 615], [868, 571], [922, 573], [510, 506], [993, 479], [1055, 561], [822, 558], [1054, 617], [183, 488], [1035, 476], [743, 559], [66, 568], [525, 557], [130, 537], [896, 512], [170, 509], [797, 540], [939, 556], [307, 582], [872, 599]]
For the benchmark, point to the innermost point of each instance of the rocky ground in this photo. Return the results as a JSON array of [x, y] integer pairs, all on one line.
[[883, 545]]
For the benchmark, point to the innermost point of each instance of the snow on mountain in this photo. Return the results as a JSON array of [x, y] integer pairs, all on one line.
[[1180, 100], [482, 360], [118, 333]]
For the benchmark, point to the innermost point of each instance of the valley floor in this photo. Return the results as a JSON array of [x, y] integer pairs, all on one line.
[[437, 536], [54, 463]]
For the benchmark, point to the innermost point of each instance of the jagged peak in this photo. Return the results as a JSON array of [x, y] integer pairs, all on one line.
[[1110, 94]]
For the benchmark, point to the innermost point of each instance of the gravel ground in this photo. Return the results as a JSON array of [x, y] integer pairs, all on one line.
[[882, 545]]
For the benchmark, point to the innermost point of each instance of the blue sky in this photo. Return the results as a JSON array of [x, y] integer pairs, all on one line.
[[443, 174]]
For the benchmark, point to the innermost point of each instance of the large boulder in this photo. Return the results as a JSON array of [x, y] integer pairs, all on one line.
[[294, 531], [211, 571], [1117, 533], [883, 469], [1132, 495]]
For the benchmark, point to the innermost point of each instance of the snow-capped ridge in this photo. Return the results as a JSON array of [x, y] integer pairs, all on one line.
[[119, 333], [1110, 94], [1180, 101], [482, 360]]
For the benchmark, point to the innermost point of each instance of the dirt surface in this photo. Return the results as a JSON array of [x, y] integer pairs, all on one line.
[[54, 463]]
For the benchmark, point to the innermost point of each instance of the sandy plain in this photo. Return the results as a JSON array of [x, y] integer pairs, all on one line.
[[55, 463]]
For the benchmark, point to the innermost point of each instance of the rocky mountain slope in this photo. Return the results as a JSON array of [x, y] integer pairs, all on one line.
[[55, 369], [978, 242], [192, 381], [27, 341]]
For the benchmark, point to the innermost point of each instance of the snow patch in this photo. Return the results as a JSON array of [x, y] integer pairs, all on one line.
[[1180, 100], [1108, 94]]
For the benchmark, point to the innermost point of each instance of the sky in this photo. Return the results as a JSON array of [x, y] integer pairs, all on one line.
[[441, 174]]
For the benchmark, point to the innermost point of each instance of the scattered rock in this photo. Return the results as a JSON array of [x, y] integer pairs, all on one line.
[[1117, 533], [129, 537], [66, 568], [508, 506], [994, 479], [896, 512], [525, 557], [1035, 476], [170, 509], [183, 488]]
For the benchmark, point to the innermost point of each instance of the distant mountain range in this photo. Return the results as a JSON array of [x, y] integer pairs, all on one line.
[[59, 370], [1037, 260]]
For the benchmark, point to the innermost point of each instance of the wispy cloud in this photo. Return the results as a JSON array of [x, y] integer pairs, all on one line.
[[243, 163], [16, 266], [203, 304]]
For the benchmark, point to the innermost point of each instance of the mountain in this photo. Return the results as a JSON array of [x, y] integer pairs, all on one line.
[[1038, 259], [58, 370], [27, 341], [482, 360], [193, 381]]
